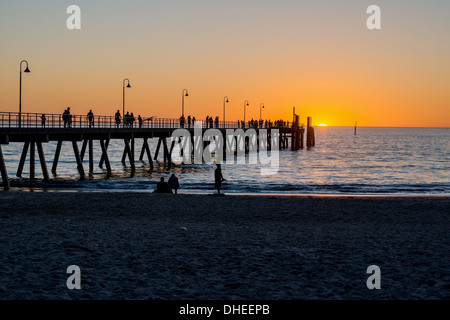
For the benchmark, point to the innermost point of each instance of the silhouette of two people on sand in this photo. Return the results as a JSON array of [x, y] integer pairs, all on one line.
[[173, 183], [164, 187]]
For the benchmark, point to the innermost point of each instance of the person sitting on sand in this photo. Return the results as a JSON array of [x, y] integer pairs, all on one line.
[[218, 177], [162, 187], [173, 183]]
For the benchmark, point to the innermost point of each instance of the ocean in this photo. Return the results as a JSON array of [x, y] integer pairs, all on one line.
[[376, 161]]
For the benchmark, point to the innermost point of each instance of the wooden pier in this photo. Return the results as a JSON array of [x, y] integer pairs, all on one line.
[[34, 133]]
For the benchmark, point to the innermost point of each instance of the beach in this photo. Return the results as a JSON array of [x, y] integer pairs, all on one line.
[[140, 246]]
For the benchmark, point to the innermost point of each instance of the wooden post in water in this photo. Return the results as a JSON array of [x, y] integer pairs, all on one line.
[[5, 179], [91, 157], [149, 154], [105, 155], [22, 159], [42, 160], [32, 160], [83, 149], [157, 148], [310, 139], [141, 156], [55, 160], [78, 158]]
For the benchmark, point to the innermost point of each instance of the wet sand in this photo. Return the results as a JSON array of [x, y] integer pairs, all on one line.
[[153, 246]]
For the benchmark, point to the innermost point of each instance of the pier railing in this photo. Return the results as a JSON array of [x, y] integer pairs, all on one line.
[[39, 120]]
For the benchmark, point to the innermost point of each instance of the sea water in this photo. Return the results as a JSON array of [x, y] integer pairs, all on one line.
[[375, 161]]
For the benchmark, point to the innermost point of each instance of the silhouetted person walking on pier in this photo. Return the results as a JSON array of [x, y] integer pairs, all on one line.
[[67, 118], [218, 177], [182, 120], [125, 119], [140, 121], [118, 118], [90, 117], [43, 118], [131, 120]]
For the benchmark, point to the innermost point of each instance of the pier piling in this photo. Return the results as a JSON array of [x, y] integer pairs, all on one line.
[[5, 179]]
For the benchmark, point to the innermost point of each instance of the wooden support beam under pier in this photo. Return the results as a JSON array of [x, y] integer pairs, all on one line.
[[158, 146], [91, 156], [127, 152], [146, 150], [22, 159], [78, 158], [32, 160], [4, 173], [105, 158], [83, 149], [56, 158], [42, 160], [104, 152]]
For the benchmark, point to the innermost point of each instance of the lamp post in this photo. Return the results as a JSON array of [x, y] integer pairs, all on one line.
[[184, 94], [128, 86], [225, 100], [261, 106], [245, 105], [20, 90]]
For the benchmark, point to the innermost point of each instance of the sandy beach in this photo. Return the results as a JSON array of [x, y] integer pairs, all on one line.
[[153, 246]]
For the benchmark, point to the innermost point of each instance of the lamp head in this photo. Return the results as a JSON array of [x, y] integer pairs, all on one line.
[[27, 70], [186, 95], [128, 86], [227, 100]]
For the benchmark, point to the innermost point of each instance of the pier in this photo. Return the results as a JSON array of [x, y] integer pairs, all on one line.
[[31, 130]]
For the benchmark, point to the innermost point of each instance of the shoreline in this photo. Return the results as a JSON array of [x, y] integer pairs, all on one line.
[[212, 192], [145, 246]]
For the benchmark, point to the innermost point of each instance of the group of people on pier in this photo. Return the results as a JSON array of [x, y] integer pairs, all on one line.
[[190, 121], [262, 124], [209, 122], [67, 118], [128, 120]]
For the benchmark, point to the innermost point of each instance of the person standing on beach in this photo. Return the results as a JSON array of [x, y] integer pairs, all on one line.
[[218, 178], [173, 183]]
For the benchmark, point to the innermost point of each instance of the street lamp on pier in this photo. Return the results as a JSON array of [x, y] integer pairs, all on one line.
[[184, 94], [225, 100], [128, 86], [245, 105], [20, 90]]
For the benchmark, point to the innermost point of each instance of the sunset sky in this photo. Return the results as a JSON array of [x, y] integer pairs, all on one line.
[[318, 56]]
